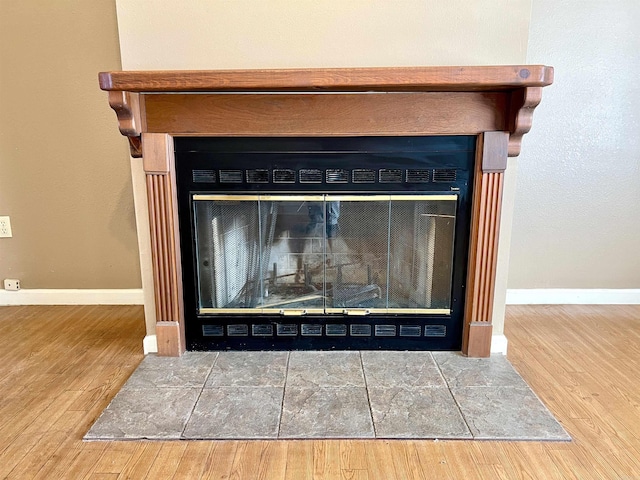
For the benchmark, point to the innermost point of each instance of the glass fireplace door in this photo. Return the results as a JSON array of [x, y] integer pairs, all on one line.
[[324, 254]]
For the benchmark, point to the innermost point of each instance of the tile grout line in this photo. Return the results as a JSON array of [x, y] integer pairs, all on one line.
[[284, 389], [193, 409], [464, 418], [366, 387]]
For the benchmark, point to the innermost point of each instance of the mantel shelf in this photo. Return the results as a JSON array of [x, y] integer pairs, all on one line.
[[436, 79]]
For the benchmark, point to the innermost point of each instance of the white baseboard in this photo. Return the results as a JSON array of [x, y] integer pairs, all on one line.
[[575, 296], [499, 344], [27, 296], [150, 344]]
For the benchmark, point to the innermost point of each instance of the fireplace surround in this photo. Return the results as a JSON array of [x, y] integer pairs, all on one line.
[[491, 106]]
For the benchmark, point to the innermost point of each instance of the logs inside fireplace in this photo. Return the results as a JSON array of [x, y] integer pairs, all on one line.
[[323, 208]]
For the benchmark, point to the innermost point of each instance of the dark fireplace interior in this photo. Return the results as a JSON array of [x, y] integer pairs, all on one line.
[[293, 243]]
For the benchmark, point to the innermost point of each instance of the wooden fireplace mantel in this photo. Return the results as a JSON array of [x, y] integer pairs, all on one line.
[[494, 103]]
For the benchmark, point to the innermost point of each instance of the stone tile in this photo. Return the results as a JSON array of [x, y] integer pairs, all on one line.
[[461, 371], [325, 369], [154, 413], [249, 369], [326, 412], [416, 412], [189, 370], [236, 412], [507, 413], [401, 369]]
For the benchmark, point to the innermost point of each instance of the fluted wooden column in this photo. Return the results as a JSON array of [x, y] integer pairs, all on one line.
[[483, 249], [165, 242]]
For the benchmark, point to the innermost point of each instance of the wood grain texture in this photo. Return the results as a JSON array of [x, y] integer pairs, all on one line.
[[130, 121], [447, 79], [523, 103], [168, 339], [165, 241], [483, 244], [494, 151], [62, 365], [337, 114], [479, 340]]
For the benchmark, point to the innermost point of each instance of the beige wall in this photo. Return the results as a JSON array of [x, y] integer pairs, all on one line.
[[577, 220], [64, 175], [206, 34]]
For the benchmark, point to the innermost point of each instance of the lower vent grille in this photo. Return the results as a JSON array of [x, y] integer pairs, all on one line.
[[435, 331]]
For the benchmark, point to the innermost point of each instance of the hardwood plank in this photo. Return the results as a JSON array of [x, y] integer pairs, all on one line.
[[326, 459], [115, 457], [167, 460], [140, 463], [218, 466], [193, 462], [352, 454], [299, 460]]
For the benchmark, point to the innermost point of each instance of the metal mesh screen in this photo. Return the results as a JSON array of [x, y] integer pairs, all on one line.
[[357, 254], [324, 253], [421, 260]]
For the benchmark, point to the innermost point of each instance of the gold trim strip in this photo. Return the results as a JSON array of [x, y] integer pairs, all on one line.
[[406, 311], [386, 198], [358, 198], [423, 311], [208, 310], [320, 198], [226, 197], [292, 198], [423, 198], [370, 198]]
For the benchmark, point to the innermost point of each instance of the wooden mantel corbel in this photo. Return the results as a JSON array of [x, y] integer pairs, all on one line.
[[493, 103], [127, 108]]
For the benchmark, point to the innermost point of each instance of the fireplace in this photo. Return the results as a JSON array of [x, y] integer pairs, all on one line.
[[334, 208], [324, 242]]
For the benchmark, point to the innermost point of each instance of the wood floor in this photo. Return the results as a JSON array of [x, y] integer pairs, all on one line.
[[60, 366]]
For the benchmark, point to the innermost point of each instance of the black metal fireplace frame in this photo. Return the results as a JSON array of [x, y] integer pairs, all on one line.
[[195, 156]]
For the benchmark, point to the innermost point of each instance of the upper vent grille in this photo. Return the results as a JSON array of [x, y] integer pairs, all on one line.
[[418, 176], [284, 176], [363, 175], [390, 175], [444, 175], [337, 175], [203, 176], [230, 176], [258, 176], [310, 175]]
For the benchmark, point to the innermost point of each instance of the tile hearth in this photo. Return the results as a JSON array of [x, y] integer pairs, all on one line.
[[315, 394]]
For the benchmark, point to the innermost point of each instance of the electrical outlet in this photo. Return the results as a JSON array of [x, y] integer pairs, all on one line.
[[5, 227], [12, 284]]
